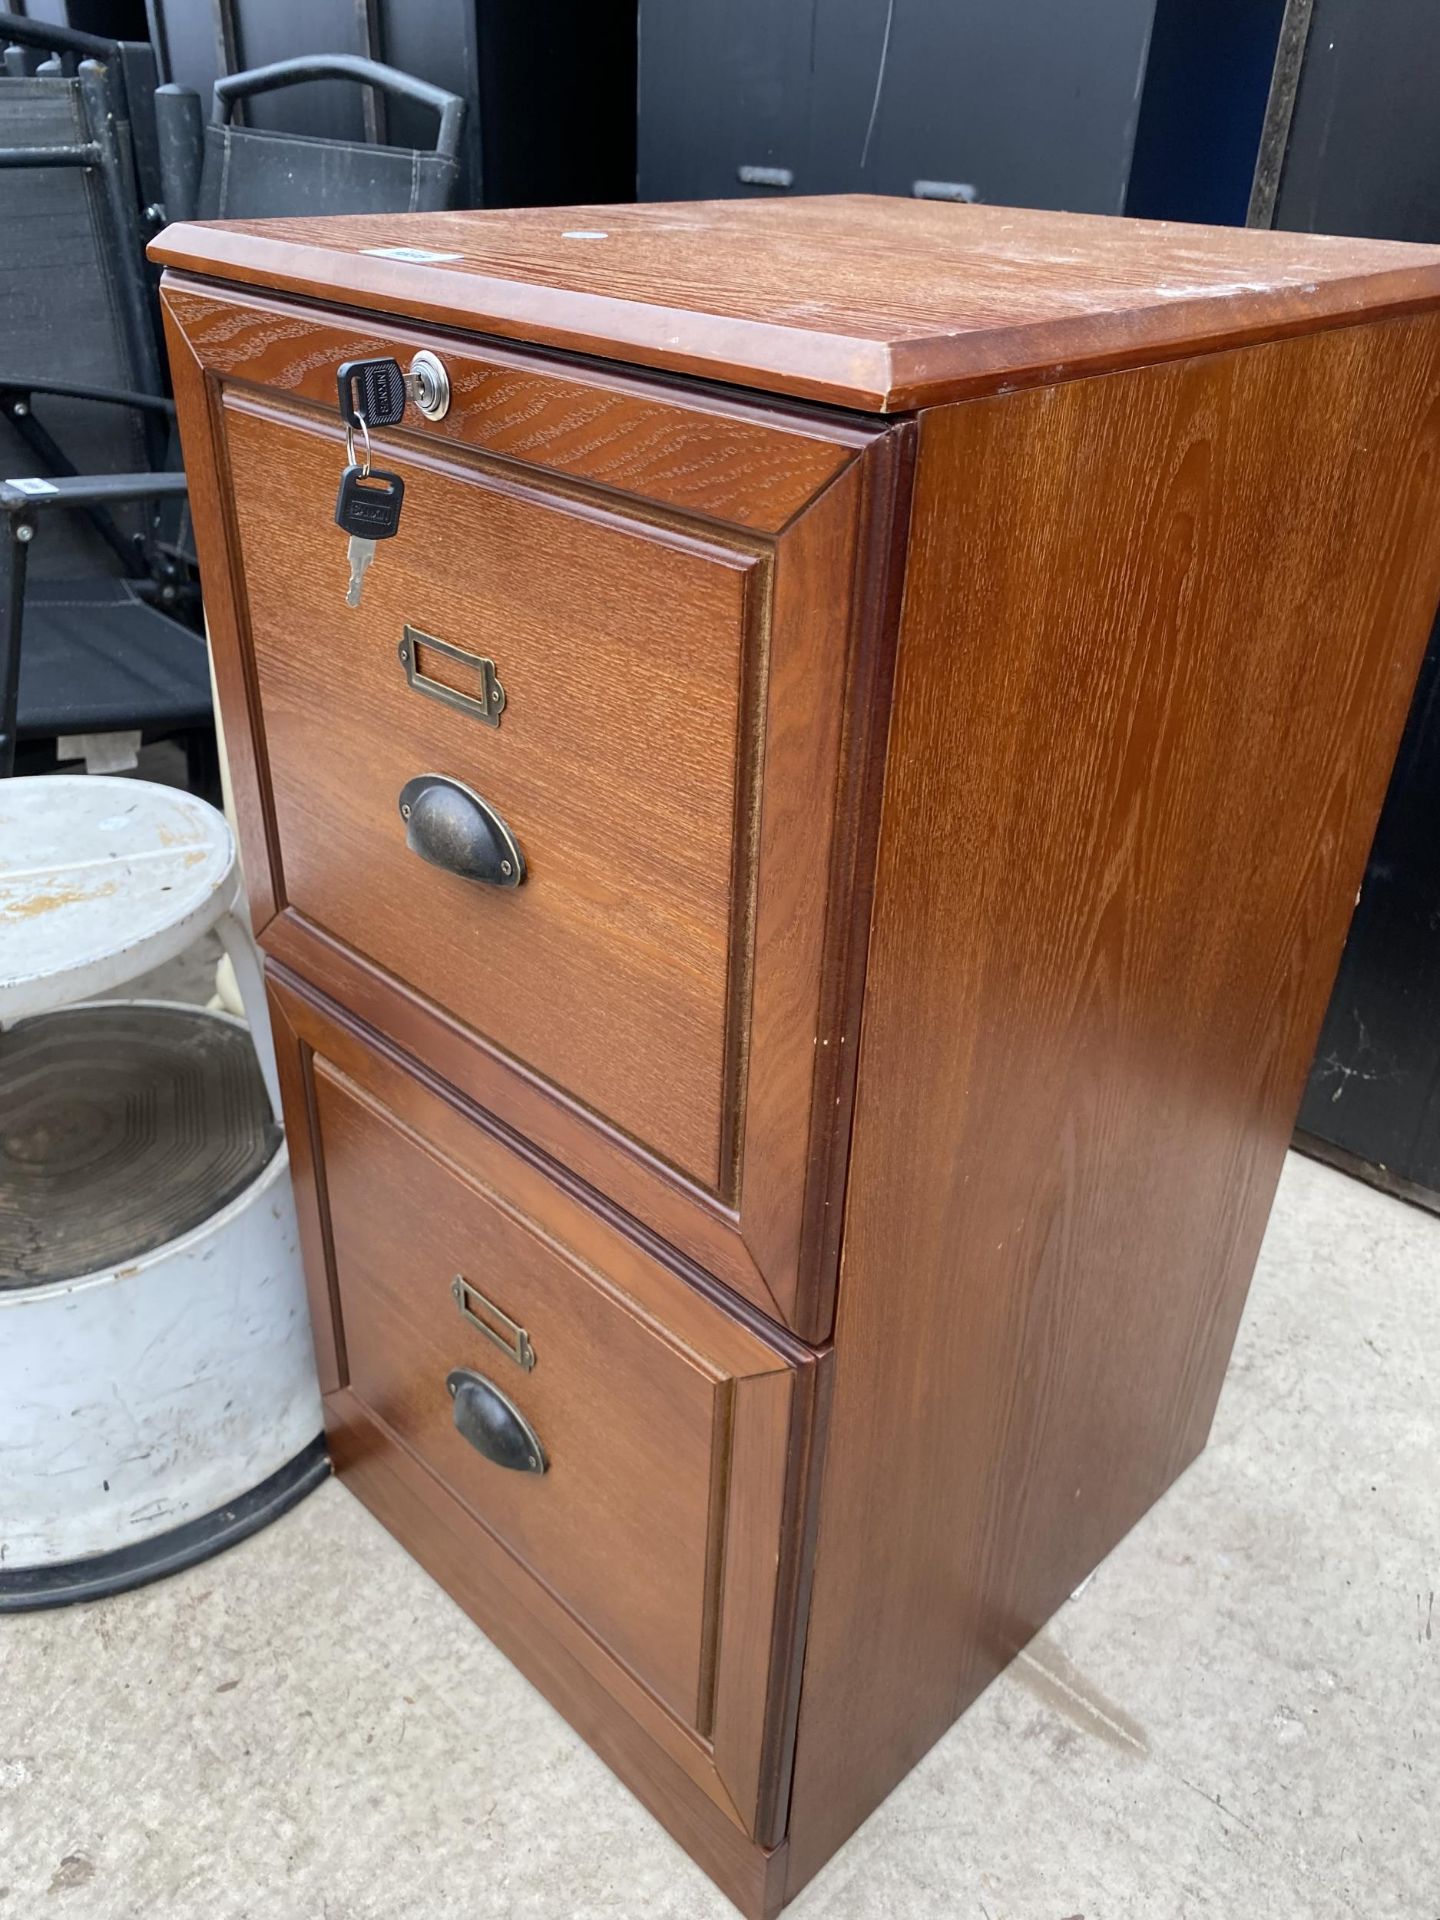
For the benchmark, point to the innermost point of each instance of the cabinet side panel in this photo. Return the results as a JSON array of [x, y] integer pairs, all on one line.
[[1159, 635]]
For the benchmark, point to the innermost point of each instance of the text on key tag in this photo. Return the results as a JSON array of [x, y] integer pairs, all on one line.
[[372, 391], [368, 504]]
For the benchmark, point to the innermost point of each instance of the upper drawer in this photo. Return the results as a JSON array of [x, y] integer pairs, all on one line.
[[619, 653], [656, 597]]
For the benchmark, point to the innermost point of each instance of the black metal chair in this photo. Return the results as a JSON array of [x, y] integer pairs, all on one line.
[[225, 172], [92, 555], [30, 45]]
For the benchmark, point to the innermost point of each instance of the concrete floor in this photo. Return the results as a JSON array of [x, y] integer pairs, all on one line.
[[1238, 1715]]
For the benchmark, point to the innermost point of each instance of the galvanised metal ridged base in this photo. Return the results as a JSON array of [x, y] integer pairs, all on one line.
[[121, 1128], [26, 1589]]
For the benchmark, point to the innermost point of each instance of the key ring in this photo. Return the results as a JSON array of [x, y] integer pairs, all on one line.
[[350, 443]]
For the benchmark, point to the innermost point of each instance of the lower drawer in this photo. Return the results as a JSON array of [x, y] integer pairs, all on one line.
[[612, 1454]]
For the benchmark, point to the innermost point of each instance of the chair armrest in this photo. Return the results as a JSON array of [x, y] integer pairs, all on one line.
[[180, 134], [86, 490], [345, 66], [69, 390], [39, 33]]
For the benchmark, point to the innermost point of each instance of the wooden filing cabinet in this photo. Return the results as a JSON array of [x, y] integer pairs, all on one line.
[[931, 673]]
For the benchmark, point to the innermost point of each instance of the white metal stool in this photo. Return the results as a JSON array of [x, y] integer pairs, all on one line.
[[157, 1387]]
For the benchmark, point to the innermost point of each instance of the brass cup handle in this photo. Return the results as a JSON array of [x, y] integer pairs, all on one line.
[[493, 1424], [452, 827]]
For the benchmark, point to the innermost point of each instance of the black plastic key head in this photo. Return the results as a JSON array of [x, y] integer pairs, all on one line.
[[373, 390], [368, 505]]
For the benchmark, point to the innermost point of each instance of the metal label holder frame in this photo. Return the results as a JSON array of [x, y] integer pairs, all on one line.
[[507, 1334], [487, 705]]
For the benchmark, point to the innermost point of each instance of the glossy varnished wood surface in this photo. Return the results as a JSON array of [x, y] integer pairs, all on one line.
[[197, 408], [866, 302], [699, 453], [416, 1184], [635, 1428], [1156, 641], [432, 1526], [688, 753], [623, 651], [1159, 638]]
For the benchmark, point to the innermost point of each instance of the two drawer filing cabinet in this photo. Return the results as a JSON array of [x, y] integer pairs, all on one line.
[[797, 903]]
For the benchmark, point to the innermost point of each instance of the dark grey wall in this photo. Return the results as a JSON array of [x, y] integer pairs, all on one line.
[[1364, 155], [1364, 158], [1033, 102], [111, 19]]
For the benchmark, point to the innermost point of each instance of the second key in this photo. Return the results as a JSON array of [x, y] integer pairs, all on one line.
[[368, 509]]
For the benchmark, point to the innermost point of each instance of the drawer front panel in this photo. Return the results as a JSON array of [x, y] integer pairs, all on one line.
[[678, 607], [620, 1523], [692, 450], [661, 1542], [621, 652]]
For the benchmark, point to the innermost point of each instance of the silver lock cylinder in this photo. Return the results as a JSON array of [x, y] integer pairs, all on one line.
[[429, 385]]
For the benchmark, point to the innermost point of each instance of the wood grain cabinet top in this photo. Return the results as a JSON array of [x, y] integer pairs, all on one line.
[[884, 305], [947, 663]]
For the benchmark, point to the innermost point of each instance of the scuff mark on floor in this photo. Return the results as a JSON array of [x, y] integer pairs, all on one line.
[[1051, 1677], [73, 1871]]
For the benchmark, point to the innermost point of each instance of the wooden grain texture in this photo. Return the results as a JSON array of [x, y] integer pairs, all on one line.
[[694, 717], [667, 1547], [862, 301], [697, 452], [792, 1006], [680, 1221], [432, 1526], [197, 397], [622, 651], [619, 1525], [295, 1066], [739, 1339], [1159, 636]]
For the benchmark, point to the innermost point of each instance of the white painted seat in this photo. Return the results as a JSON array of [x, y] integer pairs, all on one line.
[[102, 879], [157, 1386]]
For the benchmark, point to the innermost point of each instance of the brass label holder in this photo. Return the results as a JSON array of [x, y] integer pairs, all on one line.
[[486, 704], [498, 1327]]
